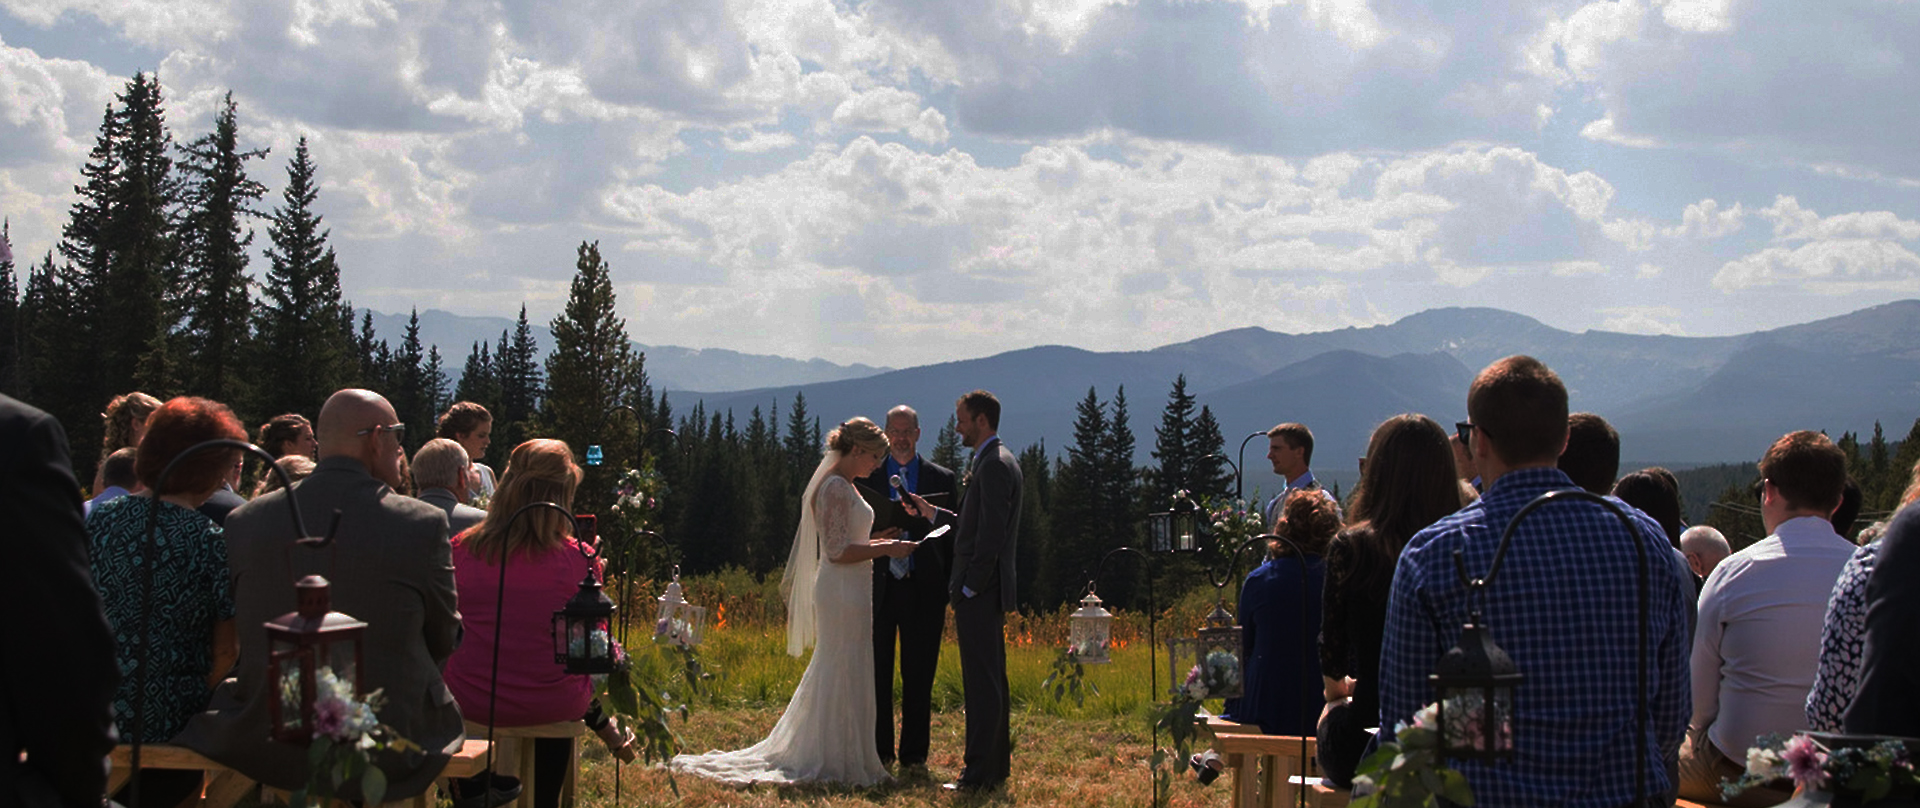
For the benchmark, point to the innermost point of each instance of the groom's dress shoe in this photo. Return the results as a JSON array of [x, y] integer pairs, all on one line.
[[969, 787]]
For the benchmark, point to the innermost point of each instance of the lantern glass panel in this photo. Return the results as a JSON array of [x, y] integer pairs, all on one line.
[[679, 622], [1477, 723], [293, 687], [1160, 532], [1090, 632], [1208, 665], [1186, 532]]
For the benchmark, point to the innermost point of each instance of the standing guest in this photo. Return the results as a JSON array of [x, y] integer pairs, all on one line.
[[909, 598], [1843, 635], [472, 426], [125, 421], [394, 570], [226, 498], [1290, 450], [1592, 457], [981, 588], [117, 478], [1656, 495], [1281, 688], [296, 466], [1407, 484], [1578, 704], [544, 566], [440, 472], [1463, 457], [56, 720], [189, 621], [1761, 611], [288, 434], [1704, 547]]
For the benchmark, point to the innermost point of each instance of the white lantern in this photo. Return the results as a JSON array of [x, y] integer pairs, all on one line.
[[1090, 631]]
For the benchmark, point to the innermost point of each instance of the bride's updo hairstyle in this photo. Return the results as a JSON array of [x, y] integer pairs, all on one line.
[[539, 470], [858, 433]]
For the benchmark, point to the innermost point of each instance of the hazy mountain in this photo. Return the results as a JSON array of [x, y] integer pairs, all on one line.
[[670, 367]]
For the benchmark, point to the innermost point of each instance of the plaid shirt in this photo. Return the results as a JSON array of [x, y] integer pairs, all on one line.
[[1565, 608]]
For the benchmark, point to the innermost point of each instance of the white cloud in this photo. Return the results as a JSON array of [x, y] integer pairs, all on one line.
[[757, 141], [1698, 16], [1706, 220], [1791, 222], [1575, 269], [1642, 320], [1832, 267], [1645, 271], [1602, 130]]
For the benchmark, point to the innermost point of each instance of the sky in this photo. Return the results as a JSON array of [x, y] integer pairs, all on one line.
[[899, 182]]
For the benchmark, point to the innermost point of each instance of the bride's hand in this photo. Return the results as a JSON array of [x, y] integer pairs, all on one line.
[[894, 548]]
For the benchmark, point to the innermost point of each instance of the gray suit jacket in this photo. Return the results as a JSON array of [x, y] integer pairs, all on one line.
[[983, 544], [460, 515], [390, 566]]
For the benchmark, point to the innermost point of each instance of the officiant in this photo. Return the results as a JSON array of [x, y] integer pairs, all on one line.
[[909, 594]]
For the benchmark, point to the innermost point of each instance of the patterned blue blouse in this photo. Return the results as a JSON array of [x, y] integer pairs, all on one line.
[[192, 590], [1842, 642]]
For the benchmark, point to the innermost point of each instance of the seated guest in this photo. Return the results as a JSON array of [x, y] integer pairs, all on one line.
[[1755, 653], [225, 500], [1843, 635], [1282, 682], [1704, 547], [117, 478], [544, 567], [1407, 483], [189, 619], [297, 468], [1592, 456], [1655, 493], [392, 567], [1889, 694], [124, 422], [288, 434], [1564, 607], [1850, 501], [56, 714], [472, 426], [440, 472]]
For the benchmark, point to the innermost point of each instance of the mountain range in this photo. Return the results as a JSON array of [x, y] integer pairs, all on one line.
[[1677, 401]]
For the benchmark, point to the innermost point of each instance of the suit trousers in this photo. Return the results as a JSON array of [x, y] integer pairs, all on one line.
[[913, 610], [981, 628]]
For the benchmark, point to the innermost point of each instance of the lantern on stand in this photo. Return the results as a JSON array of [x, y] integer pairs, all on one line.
[[313, 654], [1208, 664], [1090, 631], [678, 621], [583, 631], [1176, 530], [1473, 685]]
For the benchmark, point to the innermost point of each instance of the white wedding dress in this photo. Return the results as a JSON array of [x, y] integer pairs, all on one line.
[[826, 734]]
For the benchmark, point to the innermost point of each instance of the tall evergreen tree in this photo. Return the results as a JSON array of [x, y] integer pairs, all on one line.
[[9, 316], [593, 369], [433, 380], [1173, 444], [1073, 532], [947, 447], [479, 380], [141, 298], [1208, 448], [407, 388], [517, 361], [305, 327], [802, 447], [1036, 471], [218, 197]]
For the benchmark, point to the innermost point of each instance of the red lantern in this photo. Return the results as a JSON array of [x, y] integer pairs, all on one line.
[[313, 653]]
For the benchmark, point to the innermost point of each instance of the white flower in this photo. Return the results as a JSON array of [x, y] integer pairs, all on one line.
[[1763, 763]]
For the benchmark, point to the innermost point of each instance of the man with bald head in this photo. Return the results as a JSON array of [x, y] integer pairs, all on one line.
[[1704, 548], [389, 565]]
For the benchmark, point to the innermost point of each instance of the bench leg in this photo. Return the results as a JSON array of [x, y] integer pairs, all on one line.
[[226, 789]]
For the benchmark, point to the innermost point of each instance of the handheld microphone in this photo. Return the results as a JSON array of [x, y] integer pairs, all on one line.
[[899, 485]]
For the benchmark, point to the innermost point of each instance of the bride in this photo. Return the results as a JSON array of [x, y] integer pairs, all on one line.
[[826, 733]]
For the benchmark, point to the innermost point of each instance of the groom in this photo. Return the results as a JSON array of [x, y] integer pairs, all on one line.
[[981, 587]]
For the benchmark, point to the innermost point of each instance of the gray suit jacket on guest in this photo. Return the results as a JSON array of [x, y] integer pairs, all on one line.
[[983, 544], [460, 515], [390, 566]]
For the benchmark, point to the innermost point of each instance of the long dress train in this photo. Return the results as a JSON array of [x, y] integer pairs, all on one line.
[[826, 733]]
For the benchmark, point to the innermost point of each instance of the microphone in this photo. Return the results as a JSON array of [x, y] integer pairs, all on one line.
[[899, 485]]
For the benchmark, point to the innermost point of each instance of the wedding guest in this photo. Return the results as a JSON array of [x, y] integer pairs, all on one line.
[[117, 478], [288, 434], [124, 422], [227, 497], [187, 620], [1408, 483], [1279, 614], [1843, 634], [1844, 516], [1761, 611], [544, 567], [1656, 495], [297, 467], [440, 472], [56, 720], [472, 426], [1290, 450], [1592, 456], [1888, 700], [1580, 663], [1704, 547]]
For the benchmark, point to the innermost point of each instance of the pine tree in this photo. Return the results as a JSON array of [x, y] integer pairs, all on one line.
[[1208, 449], [946, 447], [802, 444], [1036, 487], [1074, 527], [407, 387], [305, 327], [479, 380], [1173, 444], [9, 316], [219, 308], [593, 369], [141, 298], [433, 380], [518, 364]]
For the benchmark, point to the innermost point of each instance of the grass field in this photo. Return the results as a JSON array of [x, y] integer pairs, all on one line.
[[1095, 754]]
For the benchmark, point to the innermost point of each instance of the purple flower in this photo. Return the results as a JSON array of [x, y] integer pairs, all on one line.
[[330, 717], [1806, 764]]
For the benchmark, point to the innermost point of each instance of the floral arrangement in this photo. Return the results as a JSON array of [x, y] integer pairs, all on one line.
[[1235, 522], [1089, 647], [674, 631], [346, 734], [1409, 772], [1218, 673], [1869, 771], [637, 498]]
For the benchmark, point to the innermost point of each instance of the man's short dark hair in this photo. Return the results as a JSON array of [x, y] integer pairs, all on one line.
[[1297, 436], [1807, 469], [118, 468], [981, 402], [1522, 406], [1592, 457]]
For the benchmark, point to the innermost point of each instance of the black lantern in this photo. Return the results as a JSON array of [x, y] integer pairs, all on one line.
[[1211, 658], [1473, 688], [313, 654], [1177, 529], [583, 630]]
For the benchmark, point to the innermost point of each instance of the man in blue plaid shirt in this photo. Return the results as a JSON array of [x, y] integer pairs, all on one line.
[[1564, 606]]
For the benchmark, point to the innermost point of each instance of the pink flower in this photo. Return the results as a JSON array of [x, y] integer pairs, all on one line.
[[1806, 764], [330, 717]]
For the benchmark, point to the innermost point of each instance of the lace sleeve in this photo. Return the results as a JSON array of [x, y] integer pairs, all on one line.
[[836, 506]]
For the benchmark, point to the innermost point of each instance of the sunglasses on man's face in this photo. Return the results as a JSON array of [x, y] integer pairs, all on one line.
[[1464, 431], [399, 430]]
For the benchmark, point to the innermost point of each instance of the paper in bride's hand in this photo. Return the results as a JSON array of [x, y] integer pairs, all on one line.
[[890, 513], [934, 534]]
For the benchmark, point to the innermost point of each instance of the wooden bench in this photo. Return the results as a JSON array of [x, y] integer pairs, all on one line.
[[1268, 770], [514, 754], [224, 787]]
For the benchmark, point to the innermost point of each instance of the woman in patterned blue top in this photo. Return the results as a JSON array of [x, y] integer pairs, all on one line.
[[193, 643]]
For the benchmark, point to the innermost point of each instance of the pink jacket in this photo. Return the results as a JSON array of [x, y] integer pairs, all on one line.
[[534, 689]]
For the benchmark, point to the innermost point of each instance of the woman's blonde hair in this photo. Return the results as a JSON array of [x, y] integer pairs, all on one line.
[[858, 432], [540, 470], [122, 413]]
